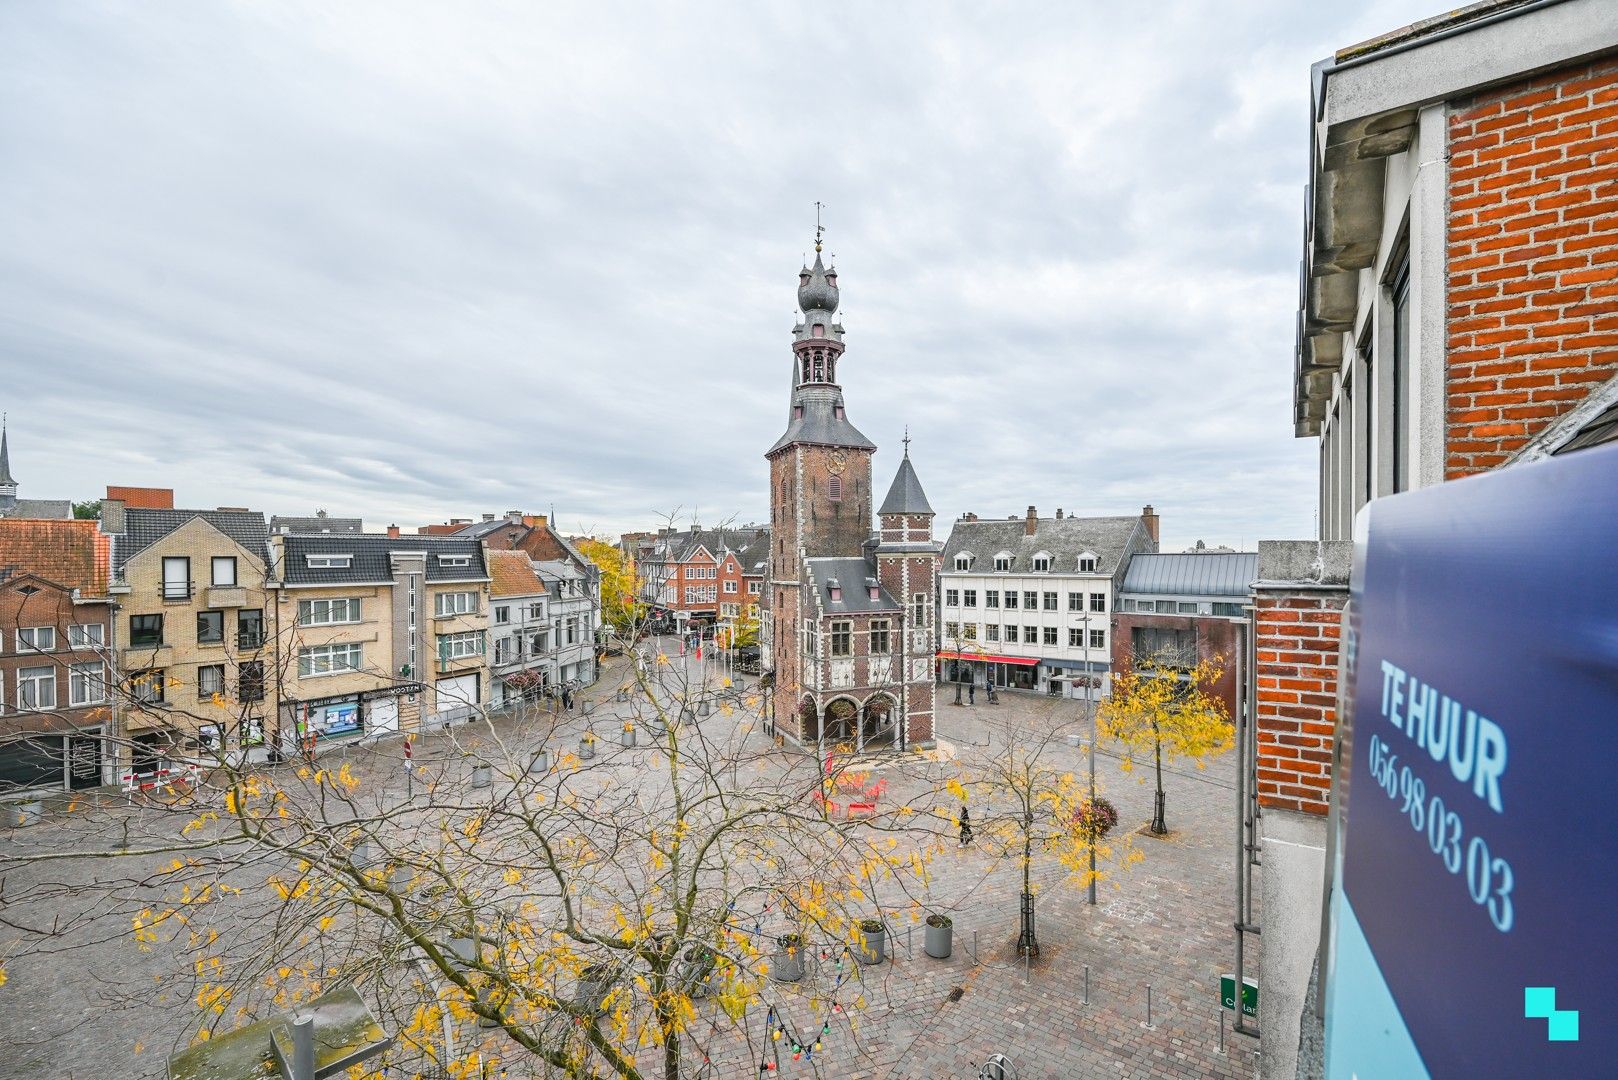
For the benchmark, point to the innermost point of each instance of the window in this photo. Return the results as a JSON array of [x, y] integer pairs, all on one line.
[[880, 637], [1030, 635], [330, 561], [210, 628], [146, 631], [1075, 601], [753, 587], [36, 688], [1011, 634], [1030, 600], [1011, 598], [318, 660], [502, 614], [834, 488], [991, 632], [1172, 645], [146, 687], [455, 560], [36, 639], [455, 603], [842, 638], [952, 598], [328, 612], [1098, 639], [701, 594], [1050, 601], [963, 562], [1098, 601], [176, 577], [86, 684], [1075, 637], [921, 612], [249, 628], [1050, 635], [1227, 609], [952, 630], [969, 598], [571, 629], [504, 652], [1042, 563], [536, 611], [224, 570], [1165, 607], [1187, 607], [1401, 364], [210, 681], [991, 598], [1002, 564], [969, 631], [1087, 565], [702, 572], [86, 636], [250, 680], [730, 586]]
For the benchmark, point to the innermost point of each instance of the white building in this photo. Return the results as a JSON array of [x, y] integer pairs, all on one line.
[[1026, 603]]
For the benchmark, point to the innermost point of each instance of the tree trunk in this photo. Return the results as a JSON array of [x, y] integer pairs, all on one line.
[[1160, 823], [1027, 942]]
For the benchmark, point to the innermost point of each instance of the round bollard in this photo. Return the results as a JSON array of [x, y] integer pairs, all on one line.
[[482, 775]]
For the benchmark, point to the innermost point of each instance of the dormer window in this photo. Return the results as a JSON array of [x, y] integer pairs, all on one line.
[[330, 561], [1042, 562], [875, 593], [963, 562], [834, 590], [455, 560], [1087, 564], [818, 330], [1002, 563]]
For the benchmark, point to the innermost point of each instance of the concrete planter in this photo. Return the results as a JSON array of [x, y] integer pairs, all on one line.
[[482, 776], [20, 815], [540, 763], [587, 747], [704, 708], [873, 945], [595, 983], [629, 735], [623, 695], [787, 965], [939, 939]]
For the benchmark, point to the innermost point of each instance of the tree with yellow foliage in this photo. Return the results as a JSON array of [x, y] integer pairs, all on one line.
[[621, 606], [1165, 703], [1030, 807], [608, 892]]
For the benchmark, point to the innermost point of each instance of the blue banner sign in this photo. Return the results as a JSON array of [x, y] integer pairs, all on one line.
[[1475, 922]]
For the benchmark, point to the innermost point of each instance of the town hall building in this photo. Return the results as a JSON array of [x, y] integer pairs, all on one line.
[[848, 631]]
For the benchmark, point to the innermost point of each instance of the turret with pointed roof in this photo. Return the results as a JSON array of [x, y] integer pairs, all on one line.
[[8, 483]]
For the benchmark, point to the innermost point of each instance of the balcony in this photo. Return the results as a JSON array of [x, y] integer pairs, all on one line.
[[227, 596], [176, 592], [250, 639]]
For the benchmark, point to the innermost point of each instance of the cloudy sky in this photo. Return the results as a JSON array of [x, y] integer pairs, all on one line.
[[414, 261]]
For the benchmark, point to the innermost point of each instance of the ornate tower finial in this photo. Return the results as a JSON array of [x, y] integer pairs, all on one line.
[[819, 228], [906, 440]]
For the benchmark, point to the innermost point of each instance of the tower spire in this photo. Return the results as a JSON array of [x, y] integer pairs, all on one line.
[[8, 483]]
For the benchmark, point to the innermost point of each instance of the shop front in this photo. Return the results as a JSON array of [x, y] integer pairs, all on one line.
[[992, 669], [345, 717]]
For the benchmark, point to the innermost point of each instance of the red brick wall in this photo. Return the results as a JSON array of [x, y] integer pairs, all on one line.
[[1296, 720], [1533, 259], [1217, 639]]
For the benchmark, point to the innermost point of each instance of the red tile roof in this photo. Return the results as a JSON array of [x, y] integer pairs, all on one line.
[[71, 553], [142, 497], [513, 575]]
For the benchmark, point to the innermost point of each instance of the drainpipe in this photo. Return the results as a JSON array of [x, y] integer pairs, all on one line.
[[1246, 805]]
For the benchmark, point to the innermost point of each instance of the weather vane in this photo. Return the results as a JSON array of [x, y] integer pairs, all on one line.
[[906, 440], [819, 228]]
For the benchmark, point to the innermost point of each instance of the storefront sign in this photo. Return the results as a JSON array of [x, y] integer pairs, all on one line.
[[1472, 923]]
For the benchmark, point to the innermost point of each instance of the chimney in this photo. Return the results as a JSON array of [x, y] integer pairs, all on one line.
[[1032, 523], [1149, 518], [1058, 513], [393, 531], [112, 516], [488, 517], [514, 515]]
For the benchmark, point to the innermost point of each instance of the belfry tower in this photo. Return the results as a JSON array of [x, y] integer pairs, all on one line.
[[850, 656]]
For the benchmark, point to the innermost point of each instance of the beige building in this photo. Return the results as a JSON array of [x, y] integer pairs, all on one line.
[[379, 633], [195, 658]]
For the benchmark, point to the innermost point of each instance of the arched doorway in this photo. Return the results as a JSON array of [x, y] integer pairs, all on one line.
[[809, 720], [841, 721], [879, 724]]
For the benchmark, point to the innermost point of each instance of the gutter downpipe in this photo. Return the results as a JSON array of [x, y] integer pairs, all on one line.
[[1246, 811]]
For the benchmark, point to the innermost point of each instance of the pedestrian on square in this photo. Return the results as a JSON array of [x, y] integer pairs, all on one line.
[[966, 826], [972, 693]]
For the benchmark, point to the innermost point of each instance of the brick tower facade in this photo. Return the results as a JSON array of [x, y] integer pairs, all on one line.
[[850, 658]]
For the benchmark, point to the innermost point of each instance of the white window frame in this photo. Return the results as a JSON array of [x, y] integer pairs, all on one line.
[[1098, 639], [449, 604], [28, 639], [331, 560], [454, 560], [207, 695], [34, 679], [730, 586], [310, 611], [79, 636], [86, 684], [337, 658]]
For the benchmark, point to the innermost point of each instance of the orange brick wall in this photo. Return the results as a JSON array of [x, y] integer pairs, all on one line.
[[1533, 259], [1297, 637]]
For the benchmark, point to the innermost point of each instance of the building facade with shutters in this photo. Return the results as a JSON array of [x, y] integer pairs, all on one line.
[[847, 639]]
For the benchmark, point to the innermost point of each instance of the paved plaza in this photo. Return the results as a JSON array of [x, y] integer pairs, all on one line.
[[1163, 924]]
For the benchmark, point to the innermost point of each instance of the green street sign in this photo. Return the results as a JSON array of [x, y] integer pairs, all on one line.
[[1227, 994]]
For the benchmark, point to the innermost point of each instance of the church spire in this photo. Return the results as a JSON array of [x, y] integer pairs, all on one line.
[[8, 483]]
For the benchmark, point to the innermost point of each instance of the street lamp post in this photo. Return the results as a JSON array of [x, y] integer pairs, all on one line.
[[1089, 707]]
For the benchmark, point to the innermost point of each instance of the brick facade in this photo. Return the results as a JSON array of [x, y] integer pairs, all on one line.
[[1533, 259], [1217, 639], [1296, 707]]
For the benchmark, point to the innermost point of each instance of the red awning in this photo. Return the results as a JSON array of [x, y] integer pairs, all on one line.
[[987, 657]]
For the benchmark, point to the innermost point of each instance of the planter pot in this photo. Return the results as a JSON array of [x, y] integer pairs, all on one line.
[[939, 941], [595, 983], [540, 762], [686, 716], [873, 944], [623, 695], [400, 879], [787, 965], [704, 708], [587, 749], [629, 736], [482, 776]]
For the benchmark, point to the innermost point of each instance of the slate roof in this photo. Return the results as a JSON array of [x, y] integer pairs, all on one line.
[[751, 544], [1110, 539], [906, 496], [40, 509], [854, 576], [144, 527], [320, 523], [513, 574], [1193, 574], [820, 424], [74, 554], [371, 565]]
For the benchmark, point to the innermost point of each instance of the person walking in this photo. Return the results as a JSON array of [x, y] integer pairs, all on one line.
[[966, 826], [971, 693]]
